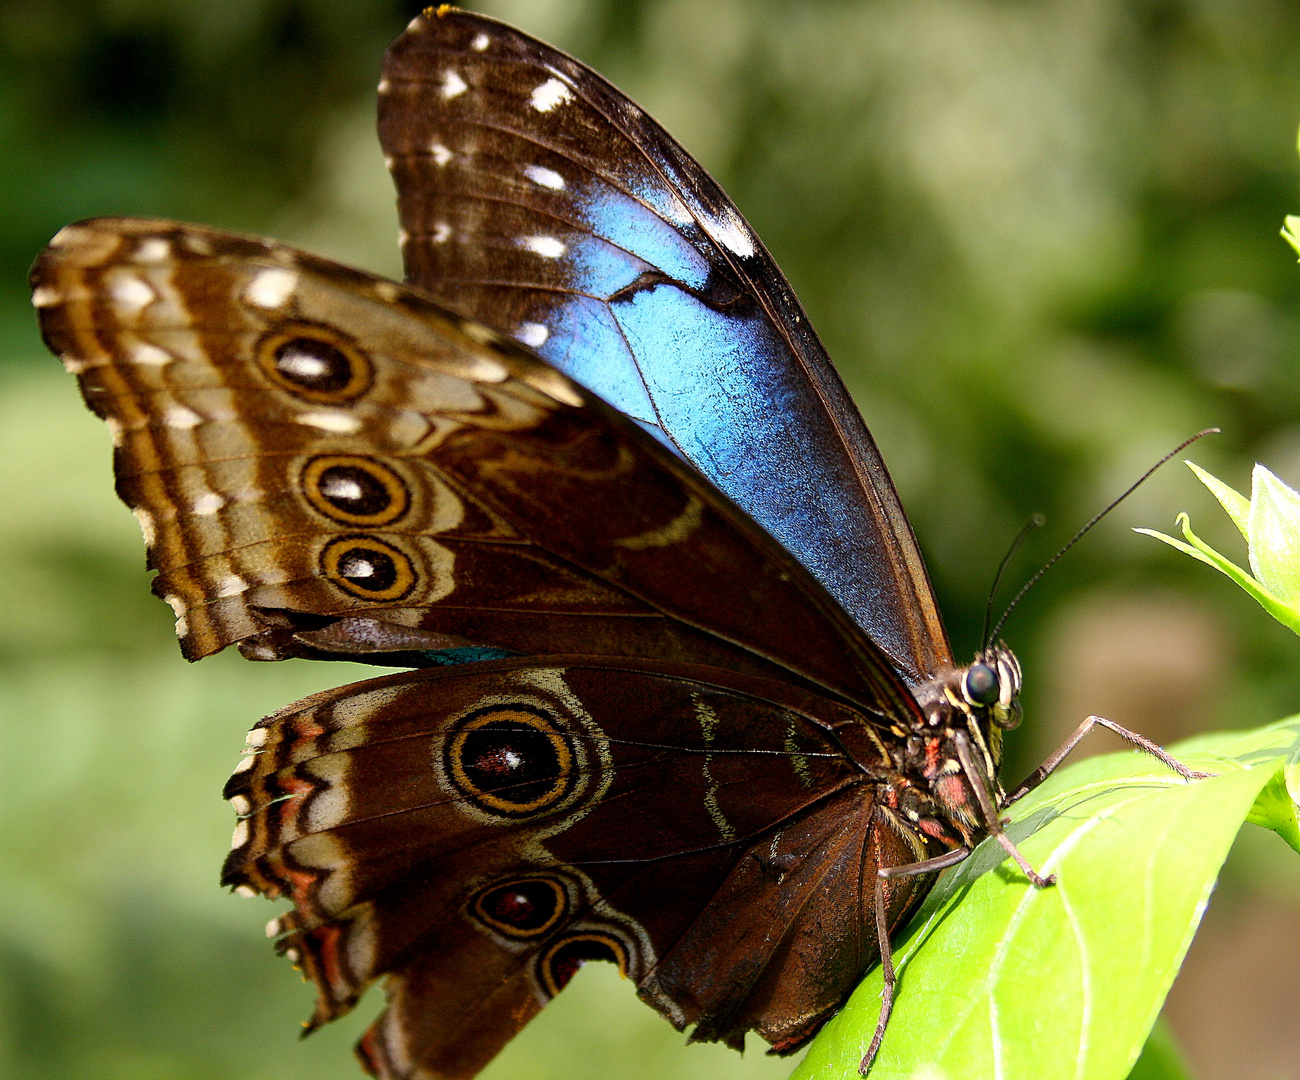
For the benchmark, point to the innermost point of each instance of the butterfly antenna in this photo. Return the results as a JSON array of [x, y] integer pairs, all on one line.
[[1096, 518], [1035, 521]]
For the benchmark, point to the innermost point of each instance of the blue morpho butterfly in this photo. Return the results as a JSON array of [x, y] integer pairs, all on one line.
[[681, 698]]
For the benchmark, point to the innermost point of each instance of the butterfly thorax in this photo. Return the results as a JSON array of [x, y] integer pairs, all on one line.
[[930, 789]]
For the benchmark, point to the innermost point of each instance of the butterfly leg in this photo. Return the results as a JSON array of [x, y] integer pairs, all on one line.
[[990, 813], [890, 977], [1141, 742], [927, 866]]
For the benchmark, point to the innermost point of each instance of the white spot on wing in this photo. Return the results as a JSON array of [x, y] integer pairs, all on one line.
[[476, 331], [341, 488], [486, 370], [548, 247], [246, 891], [153, 250], [178, 416], [178, 606], [45, 296], [114, 425], [74, 365], [197, 243], [550, 94], [730, 232], [131, 294], [480, 42], [387, 291], [544, 177], [302, 366], [383, 86], [147, 355], [147, 527], [556, 385], [532, 334], [240, 836], [440, 154], [676, 210], [256, 738], [240, 805], [271, 288], [208, 504], [72, 234], [441, 232], [340, 423], [245, 763], [231, 585], [452, 84]]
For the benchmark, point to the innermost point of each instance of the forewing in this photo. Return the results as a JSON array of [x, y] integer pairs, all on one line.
[[537, 198], [326, 463]]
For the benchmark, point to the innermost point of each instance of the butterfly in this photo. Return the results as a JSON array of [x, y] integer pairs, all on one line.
[[679, 694]]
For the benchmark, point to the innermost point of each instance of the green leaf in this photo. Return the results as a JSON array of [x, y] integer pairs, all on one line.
[[1288, 615], [1235, 503], [1275, 536], [998, 979], [1160, 1059], [1291, 231]]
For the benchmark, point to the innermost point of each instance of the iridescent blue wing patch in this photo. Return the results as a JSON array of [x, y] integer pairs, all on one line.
[[538, 199]]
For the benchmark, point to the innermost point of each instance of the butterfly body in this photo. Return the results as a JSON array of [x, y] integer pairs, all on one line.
[[682, 700]]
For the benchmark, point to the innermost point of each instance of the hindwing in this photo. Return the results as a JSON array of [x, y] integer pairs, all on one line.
[[478, 832]]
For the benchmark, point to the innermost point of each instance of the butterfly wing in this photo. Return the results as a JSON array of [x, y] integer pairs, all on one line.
[[325, 463], [480, 831], [538, 199]]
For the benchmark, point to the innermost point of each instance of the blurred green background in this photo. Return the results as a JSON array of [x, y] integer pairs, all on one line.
[[1039, 238]]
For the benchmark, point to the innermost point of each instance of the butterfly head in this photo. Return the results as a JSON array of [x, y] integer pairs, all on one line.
[[971, 706]]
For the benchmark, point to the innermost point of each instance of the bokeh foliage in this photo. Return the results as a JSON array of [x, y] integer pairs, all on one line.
[[1039, 238]]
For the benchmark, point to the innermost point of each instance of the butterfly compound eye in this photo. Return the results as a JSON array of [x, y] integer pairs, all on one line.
[[982, 685]]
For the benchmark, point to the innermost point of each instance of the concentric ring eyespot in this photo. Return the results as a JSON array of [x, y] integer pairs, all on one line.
[[354, 490], [315, 363], [510, 761], [523, 908], [368, 568], [560, 960]]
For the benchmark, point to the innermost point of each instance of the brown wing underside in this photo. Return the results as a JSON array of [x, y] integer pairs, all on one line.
[[318, 456], [724, 862]]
